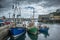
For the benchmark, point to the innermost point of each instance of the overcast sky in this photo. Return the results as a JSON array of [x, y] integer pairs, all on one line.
[[41, 7]]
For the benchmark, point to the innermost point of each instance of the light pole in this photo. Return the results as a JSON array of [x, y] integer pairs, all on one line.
[[9, 15]]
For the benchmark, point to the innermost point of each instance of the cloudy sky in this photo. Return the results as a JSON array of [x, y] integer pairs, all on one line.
[[41, 7]]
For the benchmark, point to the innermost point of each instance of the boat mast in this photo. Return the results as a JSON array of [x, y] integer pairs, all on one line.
[[33, 14], [14, 9], [19, 12]]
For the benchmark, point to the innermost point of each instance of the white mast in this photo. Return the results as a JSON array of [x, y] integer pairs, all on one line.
[[33, 14]]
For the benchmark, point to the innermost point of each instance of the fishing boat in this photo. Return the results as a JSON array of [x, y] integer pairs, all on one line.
[[17, 31], [31, 27], [44, 29], [1, 22], [45, 33]]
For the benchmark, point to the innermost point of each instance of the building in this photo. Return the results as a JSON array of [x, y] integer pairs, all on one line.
[[43, 18]]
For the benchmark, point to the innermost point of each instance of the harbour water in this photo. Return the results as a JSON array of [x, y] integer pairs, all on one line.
[[53, 34]]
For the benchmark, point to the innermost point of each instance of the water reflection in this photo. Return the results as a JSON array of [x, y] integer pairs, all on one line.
[[32, 37], [22, 37], [44, 29]]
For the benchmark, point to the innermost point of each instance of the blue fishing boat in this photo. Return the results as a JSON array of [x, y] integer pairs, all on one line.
[[17, 31], [45, 29]]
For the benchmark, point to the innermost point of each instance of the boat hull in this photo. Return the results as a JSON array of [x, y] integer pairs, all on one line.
[[33, 30], [16, 32], [44, 29]]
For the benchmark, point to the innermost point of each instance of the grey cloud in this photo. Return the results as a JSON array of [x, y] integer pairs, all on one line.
[[50, 3], [34, 1], [8, 3], [5, 4], [1, 6]]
